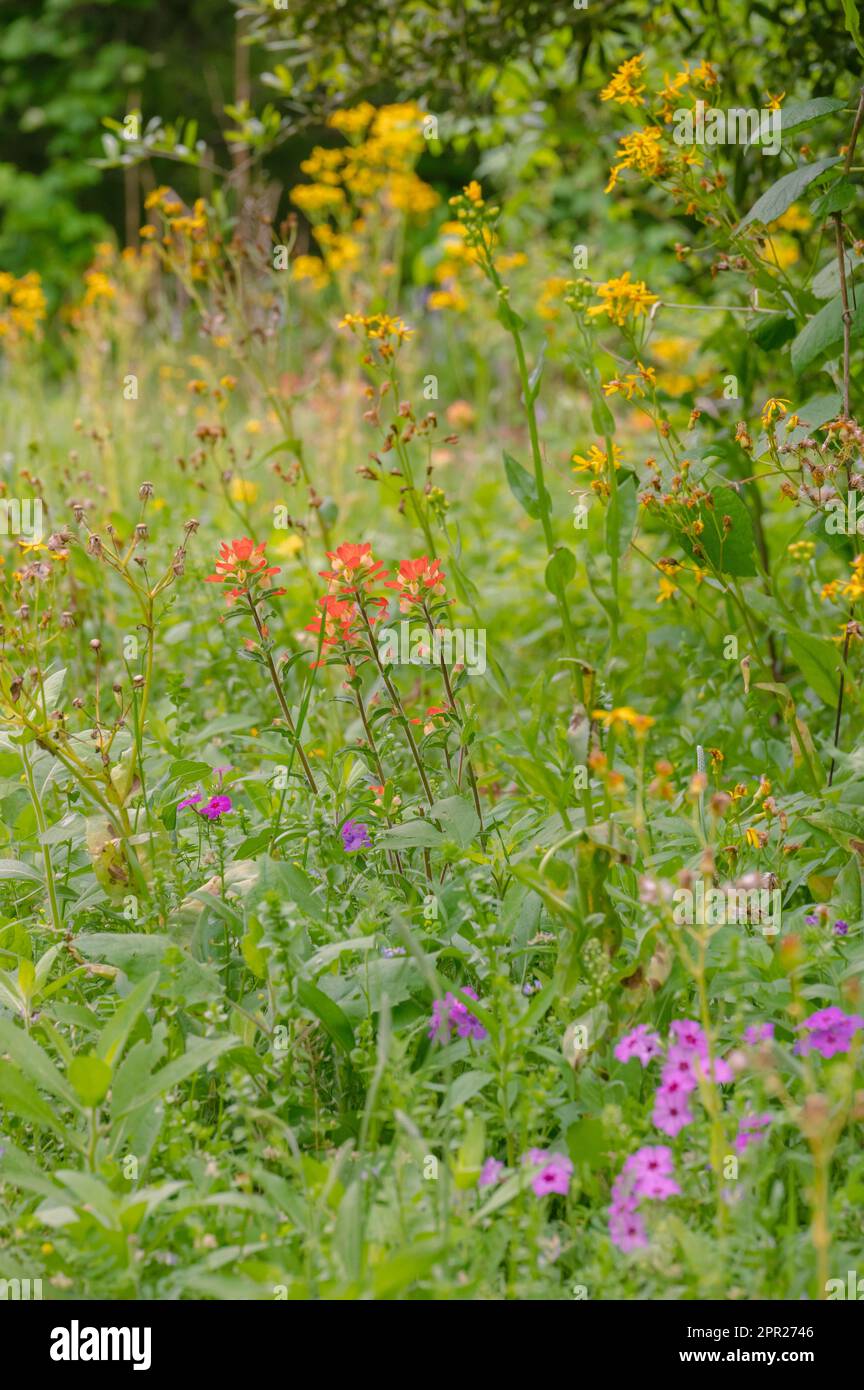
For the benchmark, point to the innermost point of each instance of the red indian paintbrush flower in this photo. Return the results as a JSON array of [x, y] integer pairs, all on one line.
[[417, 581], [243, 564], [355, 570]]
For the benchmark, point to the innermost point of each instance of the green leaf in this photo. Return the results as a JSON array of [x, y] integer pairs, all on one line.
[[328, 1013], [798, 115], [14, 868], [852, 15], [824, 331], [840, 196], [198, 1054], [91, 1078], [782, 194], [560, 570], [817, 660], [523, 486], [33, 1061], [20, 1098], [732, 549], [115, 1034], [469, 1084], [627, 507], [459, 819], [413, 834]]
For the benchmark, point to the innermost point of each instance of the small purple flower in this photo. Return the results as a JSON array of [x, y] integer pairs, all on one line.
[[829, 1031], [841, 928], [450, 1013], [627, 1230], [689, 1036], [355, 836], [647, 1173], [643, 1043], [490, 1173], [670, 1112], [555, 1172], [217, 805], [531, 987], [388, 952], [811, 920], [759, 1032], [749, 1130]]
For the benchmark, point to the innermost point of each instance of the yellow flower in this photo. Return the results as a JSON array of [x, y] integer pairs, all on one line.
[[287, 546], [772, 408], [547, 305], [624, 87], [253, 427], [474, 193], [753, 837], [622, 717], [666, 590], [622, 299], [243, 490], [643, 151], [596, 460], [705, 75], [310, 268], [829, 590], [774, 102]]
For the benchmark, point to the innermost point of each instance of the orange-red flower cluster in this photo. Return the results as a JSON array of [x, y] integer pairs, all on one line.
[[417, 581], [243, 564]]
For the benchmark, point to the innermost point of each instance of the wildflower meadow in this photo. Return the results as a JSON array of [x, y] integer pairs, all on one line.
[[431, 665]]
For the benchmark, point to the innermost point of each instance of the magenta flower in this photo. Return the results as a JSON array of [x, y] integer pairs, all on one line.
[[651, 1161], [217, 805], [642, 1043], [759, 1032], [749, 1130], [647, 1174], [688, 1035], [355, 836], [490, 1173], [449, 1014], [829, 1031], [555, 1172], [627, 1230], [678, 1071], [670, 1112]]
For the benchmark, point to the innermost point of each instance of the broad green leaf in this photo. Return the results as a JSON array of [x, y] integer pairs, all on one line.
[[33, 1061], [116, 1032], [852, 15], [523, 486], [560, 569], [91, 1078], [458, 818], [729, 546], [327, 1012], [18, 1097], [825, 331], [413, 834], [782, 194]]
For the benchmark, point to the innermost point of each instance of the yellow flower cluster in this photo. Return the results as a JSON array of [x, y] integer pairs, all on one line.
[[644, 150], [379, 330], [22, 305], [622, 299], [371, 175], [624, 716], [187, 233]]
